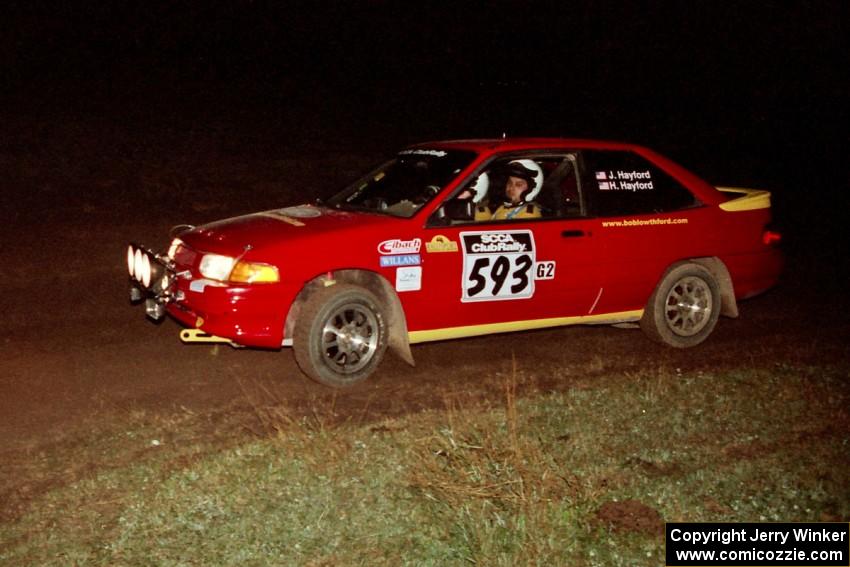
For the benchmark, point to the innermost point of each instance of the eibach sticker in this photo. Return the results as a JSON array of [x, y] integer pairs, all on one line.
[[398, 246], [497, 265]]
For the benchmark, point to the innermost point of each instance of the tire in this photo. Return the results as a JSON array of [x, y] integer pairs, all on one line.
[[340, 336], [684, 308]]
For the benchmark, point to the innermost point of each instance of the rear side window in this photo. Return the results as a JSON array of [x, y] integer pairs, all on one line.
[[623, 183]]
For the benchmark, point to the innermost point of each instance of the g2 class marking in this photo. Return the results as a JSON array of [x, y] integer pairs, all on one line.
[[544, 270]]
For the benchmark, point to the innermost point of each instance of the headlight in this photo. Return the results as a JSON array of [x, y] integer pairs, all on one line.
[[172, 250], [254, 272], [216, 266]]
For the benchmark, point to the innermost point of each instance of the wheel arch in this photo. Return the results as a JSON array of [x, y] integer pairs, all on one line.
[[716, 267], [375, 283]]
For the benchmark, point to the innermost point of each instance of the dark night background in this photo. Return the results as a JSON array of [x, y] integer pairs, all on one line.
[[749, 94], [120, 119]]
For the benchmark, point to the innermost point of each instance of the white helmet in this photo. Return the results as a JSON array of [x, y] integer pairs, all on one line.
[[479, 187], [529, 170]]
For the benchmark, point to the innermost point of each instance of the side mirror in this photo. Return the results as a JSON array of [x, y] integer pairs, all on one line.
[[458, 210]]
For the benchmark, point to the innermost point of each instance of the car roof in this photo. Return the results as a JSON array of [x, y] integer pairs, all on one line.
[[487, 145], [706, 192]]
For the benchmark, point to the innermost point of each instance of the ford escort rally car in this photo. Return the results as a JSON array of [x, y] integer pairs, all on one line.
[[589, 232]]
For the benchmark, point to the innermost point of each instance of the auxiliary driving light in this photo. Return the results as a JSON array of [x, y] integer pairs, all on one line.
[[131, 260], [137, 265], [146, 270]]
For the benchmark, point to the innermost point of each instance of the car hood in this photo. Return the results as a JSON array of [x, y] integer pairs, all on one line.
[[274, 229]]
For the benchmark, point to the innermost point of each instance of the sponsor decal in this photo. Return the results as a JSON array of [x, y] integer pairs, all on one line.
[[301, 212], [408, 279], [544, 270], [622, 180], [497, 265], [441, 243], [644, 222], [397, 246], [499, 242], [281, 217], [198, 286], [400, 260], [435, 153]]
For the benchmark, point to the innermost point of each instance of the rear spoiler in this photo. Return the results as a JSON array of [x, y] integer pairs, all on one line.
[[741, 199]]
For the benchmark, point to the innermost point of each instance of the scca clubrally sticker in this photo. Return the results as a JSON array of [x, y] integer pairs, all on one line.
[[497, 265]]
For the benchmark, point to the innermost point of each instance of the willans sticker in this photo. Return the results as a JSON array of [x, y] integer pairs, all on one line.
[[400, 260]]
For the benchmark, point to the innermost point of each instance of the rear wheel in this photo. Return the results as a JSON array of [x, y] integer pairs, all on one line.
[[684, 308], [340, 335]]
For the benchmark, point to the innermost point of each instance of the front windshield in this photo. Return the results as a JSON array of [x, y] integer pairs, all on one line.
[[401, 186]]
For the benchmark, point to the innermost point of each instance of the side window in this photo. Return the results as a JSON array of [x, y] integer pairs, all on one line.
[[561, 194], [549, 187], [624, 183]]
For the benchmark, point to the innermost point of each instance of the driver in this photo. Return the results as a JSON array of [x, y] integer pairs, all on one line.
[[525, 178]]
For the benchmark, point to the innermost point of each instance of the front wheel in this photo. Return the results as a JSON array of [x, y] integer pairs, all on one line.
[[340, 335], [684, 308]]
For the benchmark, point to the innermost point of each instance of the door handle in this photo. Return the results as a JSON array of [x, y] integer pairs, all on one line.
[[572, 233]]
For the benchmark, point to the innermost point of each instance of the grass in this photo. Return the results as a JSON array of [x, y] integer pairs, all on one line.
[[582, 477]]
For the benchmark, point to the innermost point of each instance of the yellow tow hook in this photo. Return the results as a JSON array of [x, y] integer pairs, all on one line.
[[191, 336]]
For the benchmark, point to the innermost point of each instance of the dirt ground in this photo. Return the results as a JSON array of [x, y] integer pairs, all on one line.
[[72, 345]]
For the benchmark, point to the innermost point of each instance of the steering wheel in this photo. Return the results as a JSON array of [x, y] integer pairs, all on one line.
[[429, 192]]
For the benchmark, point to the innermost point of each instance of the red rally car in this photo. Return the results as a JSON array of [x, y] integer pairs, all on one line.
[[462, 238]]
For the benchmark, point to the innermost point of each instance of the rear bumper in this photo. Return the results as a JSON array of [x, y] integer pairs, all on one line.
[[753, 274]]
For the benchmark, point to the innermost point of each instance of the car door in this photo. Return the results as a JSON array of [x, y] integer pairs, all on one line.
[[646, 220], [498, 275]]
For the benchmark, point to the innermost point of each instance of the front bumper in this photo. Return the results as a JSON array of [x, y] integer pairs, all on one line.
[[247, 315]]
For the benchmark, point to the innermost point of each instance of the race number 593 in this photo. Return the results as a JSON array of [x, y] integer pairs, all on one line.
[[497, 265]]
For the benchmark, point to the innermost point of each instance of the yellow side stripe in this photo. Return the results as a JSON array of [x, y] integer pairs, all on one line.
[[475, 330], [749, 200]]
